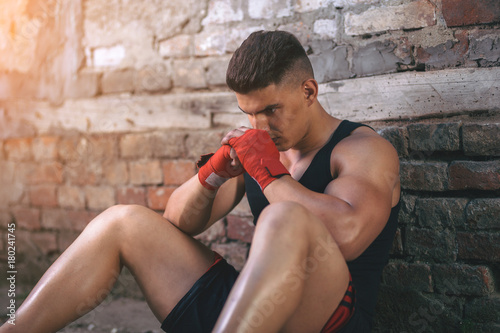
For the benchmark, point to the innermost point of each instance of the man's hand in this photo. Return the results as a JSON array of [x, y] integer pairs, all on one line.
[[258, 155], [216, 168]]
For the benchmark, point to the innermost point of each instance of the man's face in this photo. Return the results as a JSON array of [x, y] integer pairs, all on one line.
[[279, 110]]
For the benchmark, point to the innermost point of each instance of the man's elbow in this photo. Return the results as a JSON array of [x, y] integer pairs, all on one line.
[[350, 246]]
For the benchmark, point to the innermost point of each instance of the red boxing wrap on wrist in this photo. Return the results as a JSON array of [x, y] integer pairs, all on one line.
[[259, 156], [216, 168]]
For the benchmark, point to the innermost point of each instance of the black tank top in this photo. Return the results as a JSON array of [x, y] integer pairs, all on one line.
[[366, 270]]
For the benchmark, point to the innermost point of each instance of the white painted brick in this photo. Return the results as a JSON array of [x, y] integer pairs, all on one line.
[[349, 3], [216, 70], [210, 42], [108, 56], [237, 36], [309, 5], [179, 46], [325, 28], [126, 113], [222, 11], [391, 18], [266, 9], [189, 74]]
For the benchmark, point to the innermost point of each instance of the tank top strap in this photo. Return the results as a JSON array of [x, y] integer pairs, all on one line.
[[318, 174], [344, 129]]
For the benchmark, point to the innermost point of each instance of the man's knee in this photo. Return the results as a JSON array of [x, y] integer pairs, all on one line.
[[285, 215], [119, 216]]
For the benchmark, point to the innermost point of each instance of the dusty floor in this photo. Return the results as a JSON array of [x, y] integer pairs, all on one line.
[[114, 315], [122, 315]]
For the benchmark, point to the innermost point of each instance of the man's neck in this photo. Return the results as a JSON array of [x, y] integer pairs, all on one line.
[[317, 136]]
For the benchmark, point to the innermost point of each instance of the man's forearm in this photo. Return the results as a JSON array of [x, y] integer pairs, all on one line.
[[190, 206]]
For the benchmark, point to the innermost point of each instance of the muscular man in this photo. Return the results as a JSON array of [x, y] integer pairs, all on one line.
[[324, 193]]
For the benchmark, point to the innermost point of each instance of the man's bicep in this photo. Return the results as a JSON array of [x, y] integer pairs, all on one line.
[[366, 181], [368, 212]]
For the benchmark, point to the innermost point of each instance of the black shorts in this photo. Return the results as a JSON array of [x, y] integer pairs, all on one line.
[[198, 310], [359, 323]]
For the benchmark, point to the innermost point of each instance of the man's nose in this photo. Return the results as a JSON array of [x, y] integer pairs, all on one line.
[[260, 121]]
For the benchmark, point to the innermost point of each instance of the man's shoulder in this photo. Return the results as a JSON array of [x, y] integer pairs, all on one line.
[[363, 145]]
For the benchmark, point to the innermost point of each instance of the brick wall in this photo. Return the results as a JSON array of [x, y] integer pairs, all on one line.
[[102, 104], [444, 268]]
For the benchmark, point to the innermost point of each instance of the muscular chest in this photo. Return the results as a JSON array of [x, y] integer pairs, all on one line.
[[297, 165]]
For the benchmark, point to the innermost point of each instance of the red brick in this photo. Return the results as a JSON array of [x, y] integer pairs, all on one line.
[[43, 195], [69, 151], [235, 253], [131, 195], [483, 213], [479, 246], [45, 148], [99, 197], [426, 176], [5, 217], [178, 172], [465, 175], [56, 219], [45, 242], [71, 197], [158, 197], [80, 219], [203, 142], [81, 174], [481, 139], [65, 239], [217, 232], [63, 219], [116, 173], [434, 137], [27, 218], [18, 149], [145, 173], [458, 279], [465, 12], [397, 244], [427, 244], [243, 208], [403, 275], [240, 228], [101, 148], [398, 137], [49, 172], [168, 144], [483, 310], [135, 146], [440, 213]]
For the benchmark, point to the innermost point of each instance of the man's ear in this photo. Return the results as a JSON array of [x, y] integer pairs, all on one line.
[[310, 87]]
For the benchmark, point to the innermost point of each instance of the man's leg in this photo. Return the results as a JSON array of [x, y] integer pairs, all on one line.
[[164, 261], [294, 278]]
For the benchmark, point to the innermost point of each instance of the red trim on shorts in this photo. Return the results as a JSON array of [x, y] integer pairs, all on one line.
[[344, 311], [217, 258]]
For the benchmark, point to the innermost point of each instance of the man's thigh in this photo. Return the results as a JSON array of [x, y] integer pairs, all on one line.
[[322, 274], [164, 261]]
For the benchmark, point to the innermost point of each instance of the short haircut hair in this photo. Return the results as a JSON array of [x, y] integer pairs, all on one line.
[[265, 58]]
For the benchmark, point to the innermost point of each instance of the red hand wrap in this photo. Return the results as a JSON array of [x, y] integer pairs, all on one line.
[[216, 168], [259, 156]]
